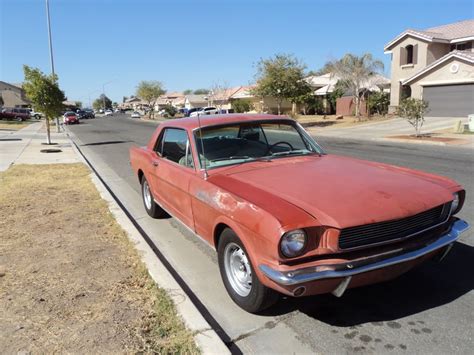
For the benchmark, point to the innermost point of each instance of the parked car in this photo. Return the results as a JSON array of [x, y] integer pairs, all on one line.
[[89, 113], [70, 117], [286, 217], [205, 111], [19, 114], [226, 111], [36, 115], [108, 113], [191, 110], [136, 114], [81, 114]]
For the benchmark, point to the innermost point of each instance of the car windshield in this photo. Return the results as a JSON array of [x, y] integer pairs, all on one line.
[[244, 142]]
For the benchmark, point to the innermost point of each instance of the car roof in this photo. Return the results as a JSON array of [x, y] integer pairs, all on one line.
[[191, 123]]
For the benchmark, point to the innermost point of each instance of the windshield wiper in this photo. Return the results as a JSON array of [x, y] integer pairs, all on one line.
[[234, 157], [241, 157], [291, 152]]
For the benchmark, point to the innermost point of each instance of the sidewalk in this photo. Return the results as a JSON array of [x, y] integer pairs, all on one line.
[[23, 147]]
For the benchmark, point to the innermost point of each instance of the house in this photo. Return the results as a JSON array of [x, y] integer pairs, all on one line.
[[176, 99], [436, 65], [324, 85], [13, 95], [195, 101], [265, 104]]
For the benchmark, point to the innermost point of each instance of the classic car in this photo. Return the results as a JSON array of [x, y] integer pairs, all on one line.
[[287, 218]]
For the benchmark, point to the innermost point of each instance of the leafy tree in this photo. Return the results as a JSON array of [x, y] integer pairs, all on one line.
[[201, 92], [187, 92], [114, 104], [354, 71], [414, 111], [170, 111], [103, 102], [281, 77], [241, 106], [150, 91], [1, 101], [78, 104], [378, 103], [44, 92]]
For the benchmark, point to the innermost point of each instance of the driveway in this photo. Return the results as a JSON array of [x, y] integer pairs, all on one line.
[[396, 126]]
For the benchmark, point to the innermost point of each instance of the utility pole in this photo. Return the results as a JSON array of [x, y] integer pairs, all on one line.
[[51, 52]]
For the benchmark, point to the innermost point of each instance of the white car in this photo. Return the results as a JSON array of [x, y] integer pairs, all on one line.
[[35, 114], [205, 111], [108, 113], [136, 114]]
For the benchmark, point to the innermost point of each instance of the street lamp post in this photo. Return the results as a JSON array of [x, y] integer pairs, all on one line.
[[48, 20]]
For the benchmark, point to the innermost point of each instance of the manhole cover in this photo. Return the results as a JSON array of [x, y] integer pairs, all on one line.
[[51, 150]]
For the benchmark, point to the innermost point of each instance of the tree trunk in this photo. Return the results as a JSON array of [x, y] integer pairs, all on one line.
[[48, 131], [293, 108], [279, 107], [357, 102], [58, 128]]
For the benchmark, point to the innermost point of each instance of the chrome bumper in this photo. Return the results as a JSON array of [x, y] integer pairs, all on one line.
[[294, 277]]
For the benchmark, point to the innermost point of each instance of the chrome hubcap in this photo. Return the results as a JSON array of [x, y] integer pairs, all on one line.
[[237, 269], [147, 195]]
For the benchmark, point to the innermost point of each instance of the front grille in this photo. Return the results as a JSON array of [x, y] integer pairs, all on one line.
[[381, 232]]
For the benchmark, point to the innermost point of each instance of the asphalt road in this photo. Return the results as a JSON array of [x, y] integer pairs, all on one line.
[[428, 310]]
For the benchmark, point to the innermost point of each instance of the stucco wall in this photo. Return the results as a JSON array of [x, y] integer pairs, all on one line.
[[444, 75], [399, 72]]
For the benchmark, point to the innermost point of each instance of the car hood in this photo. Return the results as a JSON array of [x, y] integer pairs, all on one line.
[[342, 192]]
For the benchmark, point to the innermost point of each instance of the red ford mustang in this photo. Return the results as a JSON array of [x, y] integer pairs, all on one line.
[[284, 216]]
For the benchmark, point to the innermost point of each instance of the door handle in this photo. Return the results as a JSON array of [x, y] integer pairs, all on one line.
[[154, 163]]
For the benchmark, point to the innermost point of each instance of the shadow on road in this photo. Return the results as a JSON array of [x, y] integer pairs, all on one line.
[[318, 124], [105, 143], [431, 285]]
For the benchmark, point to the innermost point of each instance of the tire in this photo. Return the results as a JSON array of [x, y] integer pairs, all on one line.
[[151, 207], [245, 290], [19, 119]]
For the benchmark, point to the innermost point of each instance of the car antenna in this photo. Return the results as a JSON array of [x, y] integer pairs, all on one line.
[[202, 147]]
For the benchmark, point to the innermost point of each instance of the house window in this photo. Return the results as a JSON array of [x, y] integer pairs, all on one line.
[[461, 46], [408, 54], [409, 50]]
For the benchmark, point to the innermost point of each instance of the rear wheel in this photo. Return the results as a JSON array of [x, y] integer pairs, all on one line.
[[151, 207], [239, 277], [19, 119]]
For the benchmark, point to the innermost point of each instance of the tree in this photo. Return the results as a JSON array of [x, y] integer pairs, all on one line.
[[241, 105], [337, 92], [201, 92], [1, 101], [378, 103], [44, 92], [280, 77], [187, 92], [218, 95], [170, 110], [414, 111], [78, 104], [103, 102], [150, 91], [354, 71]]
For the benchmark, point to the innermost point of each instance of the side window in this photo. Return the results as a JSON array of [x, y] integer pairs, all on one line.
[[174, 146]]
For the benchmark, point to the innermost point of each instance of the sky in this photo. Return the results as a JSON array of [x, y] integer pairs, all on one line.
[[114, 44]]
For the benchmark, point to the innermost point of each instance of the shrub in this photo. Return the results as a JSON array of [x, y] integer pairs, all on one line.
[[378, 103], [241, 106], [414, 111], [170, 111]]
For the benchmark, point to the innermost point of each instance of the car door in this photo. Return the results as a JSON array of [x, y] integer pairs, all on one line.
[[172, 170]]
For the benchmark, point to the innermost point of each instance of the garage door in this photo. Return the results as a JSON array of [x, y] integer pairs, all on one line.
[[449, 100]]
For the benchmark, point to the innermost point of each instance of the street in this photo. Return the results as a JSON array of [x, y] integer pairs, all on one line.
[[427, 310]]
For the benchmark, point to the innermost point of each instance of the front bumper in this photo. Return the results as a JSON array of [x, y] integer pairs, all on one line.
[[351, 268]]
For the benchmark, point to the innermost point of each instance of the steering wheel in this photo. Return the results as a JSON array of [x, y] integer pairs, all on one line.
[[270, 147]]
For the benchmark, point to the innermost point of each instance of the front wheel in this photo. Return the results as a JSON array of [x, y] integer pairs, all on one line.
[[239, 277], [151, 207]]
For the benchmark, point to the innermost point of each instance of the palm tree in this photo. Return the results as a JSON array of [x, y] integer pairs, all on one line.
[[354, 71]]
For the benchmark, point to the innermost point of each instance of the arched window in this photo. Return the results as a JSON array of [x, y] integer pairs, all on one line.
[[409, 50]]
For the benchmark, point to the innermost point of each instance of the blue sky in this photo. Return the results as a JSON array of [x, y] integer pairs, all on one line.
[[193, 44]]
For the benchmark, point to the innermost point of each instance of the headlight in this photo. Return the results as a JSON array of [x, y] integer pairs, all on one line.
[[293, 243], [455, 203]]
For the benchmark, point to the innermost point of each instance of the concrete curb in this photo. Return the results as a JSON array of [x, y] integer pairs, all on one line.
[[410, 141], [205, 337]]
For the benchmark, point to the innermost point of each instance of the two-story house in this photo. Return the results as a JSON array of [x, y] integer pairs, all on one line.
[[436, 65]]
